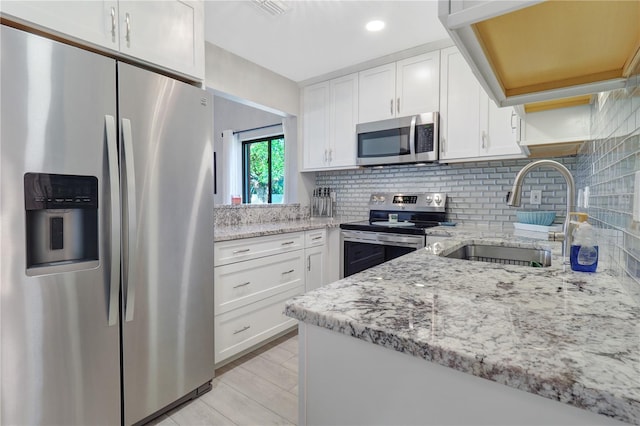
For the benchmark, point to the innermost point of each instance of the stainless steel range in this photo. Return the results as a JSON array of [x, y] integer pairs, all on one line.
[[397, 225]]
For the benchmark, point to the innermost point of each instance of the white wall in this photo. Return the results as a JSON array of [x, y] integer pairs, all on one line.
[[236, 76]]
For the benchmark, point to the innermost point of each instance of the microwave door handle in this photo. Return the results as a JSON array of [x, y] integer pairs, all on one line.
[[412, 136]]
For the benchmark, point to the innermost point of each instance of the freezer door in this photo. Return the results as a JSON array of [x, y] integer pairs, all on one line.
[[167, 186], [60, 350]]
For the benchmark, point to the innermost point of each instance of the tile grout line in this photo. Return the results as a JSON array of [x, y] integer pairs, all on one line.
[[252, 399]]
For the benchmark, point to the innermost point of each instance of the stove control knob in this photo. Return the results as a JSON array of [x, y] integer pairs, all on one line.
[[429, 199], [381, 198], [438, 199]]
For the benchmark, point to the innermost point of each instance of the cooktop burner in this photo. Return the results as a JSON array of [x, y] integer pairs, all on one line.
[[402, 213]]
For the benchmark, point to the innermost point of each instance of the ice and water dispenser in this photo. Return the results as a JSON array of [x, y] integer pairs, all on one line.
[[61, 219]]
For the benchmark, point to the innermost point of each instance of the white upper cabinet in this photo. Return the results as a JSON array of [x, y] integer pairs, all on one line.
[[316, 127], [94, 22], [418, 84], [330, 111], [502, 136], [344, 116], [460, 98], [165, 34], [377, 94], [471, 125], [407, 87]]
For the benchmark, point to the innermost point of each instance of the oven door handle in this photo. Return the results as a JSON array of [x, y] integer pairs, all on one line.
[[412, 136], [375, 238]]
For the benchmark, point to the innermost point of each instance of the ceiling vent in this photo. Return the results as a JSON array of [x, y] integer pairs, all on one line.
[[272, 7]]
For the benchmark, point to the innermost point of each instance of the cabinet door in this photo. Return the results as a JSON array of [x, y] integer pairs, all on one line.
[[95, 22], [418, 84], [501, 134], [377, 89], [316, 125], [344, 116], [333, 271], [460, 108], [166, 33], [315, 270]]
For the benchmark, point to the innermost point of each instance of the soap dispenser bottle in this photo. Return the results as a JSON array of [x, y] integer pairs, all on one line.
[[584, 248]]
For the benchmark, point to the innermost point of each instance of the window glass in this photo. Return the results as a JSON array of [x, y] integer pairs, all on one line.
[[263, 170]]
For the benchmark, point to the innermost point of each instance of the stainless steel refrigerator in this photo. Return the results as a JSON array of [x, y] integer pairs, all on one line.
[[106, 229]]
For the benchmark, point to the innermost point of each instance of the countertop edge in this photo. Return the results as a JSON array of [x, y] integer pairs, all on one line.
[[561, 389]]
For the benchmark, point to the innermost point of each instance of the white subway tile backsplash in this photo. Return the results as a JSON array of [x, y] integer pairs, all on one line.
[[477, 191]]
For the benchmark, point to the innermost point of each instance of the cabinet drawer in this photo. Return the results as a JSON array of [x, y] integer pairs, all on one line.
[[227, 252], [241, 283], [315, 238], [249, 325]]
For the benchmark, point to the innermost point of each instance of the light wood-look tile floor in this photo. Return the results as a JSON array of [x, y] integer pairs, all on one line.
[[260, 388]]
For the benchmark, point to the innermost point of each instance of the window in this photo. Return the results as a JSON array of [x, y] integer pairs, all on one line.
[[263, 170]]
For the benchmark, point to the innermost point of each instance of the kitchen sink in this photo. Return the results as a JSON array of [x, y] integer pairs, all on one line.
[[506, 255]]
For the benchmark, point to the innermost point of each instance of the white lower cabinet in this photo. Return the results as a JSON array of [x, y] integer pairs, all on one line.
[[315, 258], [251, 325], [253, 278]]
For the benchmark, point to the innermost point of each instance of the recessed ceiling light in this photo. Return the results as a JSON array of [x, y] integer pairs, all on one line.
[[375, 25]]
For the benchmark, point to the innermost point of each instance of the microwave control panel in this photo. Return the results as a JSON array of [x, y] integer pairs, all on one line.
[[424, 138]]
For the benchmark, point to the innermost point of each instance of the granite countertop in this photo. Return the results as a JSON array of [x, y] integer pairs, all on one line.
[[236, 232], [568, 336]]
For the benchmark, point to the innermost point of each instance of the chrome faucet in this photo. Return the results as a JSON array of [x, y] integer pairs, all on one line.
[[515, 196]]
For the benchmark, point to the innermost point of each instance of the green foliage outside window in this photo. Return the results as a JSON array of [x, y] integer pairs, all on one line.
[[263, 180]]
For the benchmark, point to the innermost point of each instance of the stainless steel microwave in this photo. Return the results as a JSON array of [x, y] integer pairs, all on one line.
[[412, 139]]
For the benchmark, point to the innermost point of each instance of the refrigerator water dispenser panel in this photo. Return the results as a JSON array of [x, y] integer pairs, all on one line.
[[61, 220]]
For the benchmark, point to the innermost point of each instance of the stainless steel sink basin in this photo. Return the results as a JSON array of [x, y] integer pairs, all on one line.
[[505, 255]]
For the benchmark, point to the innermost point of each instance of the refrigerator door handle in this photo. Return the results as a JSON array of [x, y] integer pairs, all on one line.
[[129, 260], [114, 185]]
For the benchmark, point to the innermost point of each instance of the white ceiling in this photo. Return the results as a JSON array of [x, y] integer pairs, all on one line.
[[317, 37]]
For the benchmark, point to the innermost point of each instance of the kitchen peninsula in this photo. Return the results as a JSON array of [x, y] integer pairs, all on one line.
[[390, 345]]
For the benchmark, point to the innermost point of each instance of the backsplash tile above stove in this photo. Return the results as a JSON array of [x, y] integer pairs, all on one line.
[[477, 191]]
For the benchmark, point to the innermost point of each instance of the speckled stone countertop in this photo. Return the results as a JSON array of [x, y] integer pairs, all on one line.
[[226, 233], [568, 336]]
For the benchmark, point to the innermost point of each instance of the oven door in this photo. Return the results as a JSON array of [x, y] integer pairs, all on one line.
[[361, 249]]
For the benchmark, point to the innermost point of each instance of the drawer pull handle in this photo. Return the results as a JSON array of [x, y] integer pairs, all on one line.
[[245, 328], [242, 285], [316, 238], [286, 243], [242, 251], [288, 272]]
